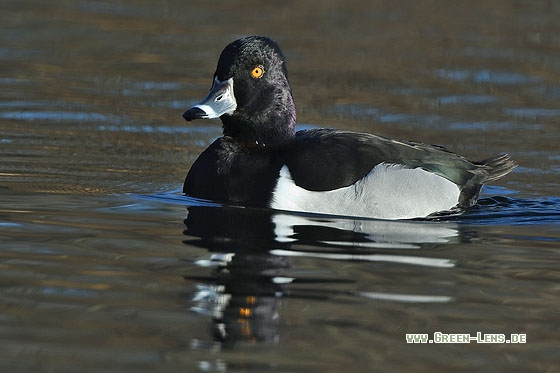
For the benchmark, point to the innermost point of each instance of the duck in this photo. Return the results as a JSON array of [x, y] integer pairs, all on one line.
[[262, 161]]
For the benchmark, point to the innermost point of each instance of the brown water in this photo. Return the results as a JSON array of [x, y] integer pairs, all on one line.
[[103, 268]]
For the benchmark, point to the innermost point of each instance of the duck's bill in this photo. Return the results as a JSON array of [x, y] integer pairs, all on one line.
[[219, 101]]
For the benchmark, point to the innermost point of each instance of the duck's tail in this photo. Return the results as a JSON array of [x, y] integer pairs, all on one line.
[[488, 170], [497, 167]]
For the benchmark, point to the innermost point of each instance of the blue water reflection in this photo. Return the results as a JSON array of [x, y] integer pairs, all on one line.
[[486, 76], [59, 116]]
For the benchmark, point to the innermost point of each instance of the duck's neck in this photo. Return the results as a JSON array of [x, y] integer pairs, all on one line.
[[273, 127]]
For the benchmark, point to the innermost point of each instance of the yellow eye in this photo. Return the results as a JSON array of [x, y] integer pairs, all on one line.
[[257, 72]]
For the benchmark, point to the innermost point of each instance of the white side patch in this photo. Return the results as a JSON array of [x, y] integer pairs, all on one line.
[[388, 191]]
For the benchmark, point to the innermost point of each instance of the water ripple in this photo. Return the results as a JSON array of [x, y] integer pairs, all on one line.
[[486, 76]]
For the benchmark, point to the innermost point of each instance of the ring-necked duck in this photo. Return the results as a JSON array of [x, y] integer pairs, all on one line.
[[262, 161]]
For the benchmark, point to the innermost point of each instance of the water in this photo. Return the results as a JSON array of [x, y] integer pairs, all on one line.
[[105, 266]]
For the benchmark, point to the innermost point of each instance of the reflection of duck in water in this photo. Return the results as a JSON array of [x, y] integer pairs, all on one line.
[[247, 284], [251, 264], [243, 298], [262, 161]]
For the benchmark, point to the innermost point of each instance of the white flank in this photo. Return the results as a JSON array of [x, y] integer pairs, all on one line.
[[388, 191]]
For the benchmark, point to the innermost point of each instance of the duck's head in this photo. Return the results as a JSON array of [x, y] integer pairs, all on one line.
[[250, 93]]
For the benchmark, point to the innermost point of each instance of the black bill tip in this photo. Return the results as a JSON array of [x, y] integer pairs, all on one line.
[[194, 113]]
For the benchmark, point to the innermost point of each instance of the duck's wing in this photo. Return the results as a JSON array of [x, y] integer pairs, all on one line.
[[326, 159]]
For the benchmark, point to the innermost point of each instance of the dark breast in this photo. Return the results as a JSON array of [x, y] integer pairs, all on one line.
[[229, 171]]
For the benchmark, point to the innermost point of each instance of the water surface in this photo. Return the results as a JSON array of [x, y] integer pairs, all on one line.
[[106, 266]]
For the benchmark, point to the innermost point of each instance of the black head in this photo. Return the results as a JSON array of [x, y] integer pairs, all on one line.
[[251, 93]]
